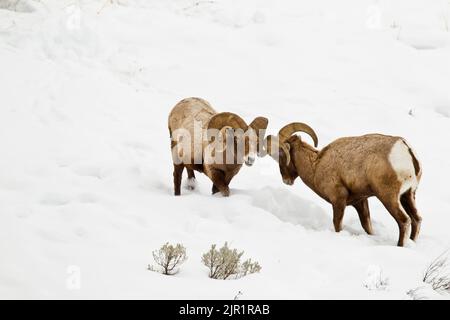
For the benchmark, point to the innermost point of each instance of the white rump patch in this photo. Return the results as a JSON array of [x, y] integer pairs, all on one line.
[[402, 162]]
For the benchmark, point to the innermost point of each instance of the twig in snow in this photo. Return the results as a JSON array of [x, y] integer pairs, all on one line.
[[197, 3], [437, 273]]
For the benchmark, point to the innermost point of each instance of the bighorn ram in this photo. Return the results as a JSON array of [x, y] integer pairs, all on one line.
[[352, 169], [190, 124]]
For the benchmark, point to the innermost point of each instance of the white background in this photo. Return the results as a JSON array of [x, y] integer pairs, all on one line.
[[85, 166]]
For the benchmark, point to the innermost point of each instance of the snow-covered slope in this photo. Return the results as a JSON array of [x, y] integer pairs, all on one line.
[[85, 167]]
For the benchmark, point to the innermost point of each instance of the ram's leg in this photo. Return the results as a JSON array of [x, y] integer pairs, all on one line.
[[392, 204], [214, 189], [362, 207], [177, 177], [409, 204], [338, 215], [228, 177], [218, 179], [339, 202], [191, 179]]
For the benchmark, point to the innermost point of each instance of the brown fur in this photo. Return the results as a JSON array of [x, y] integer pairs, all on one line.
[[183, 116], [349, 171]]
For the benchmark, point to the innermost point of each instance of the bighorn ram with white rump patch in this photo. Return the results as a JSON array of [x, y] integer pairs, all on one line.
[[352, 169], [192, 124]]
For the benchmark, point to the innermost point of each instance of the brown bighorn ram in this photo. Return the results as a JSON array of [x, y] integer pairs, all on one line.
[[193, 119], [352, 169]]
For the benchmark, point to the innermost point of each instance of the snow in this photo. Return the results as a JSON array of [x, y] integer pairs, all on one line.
[[86, 174]]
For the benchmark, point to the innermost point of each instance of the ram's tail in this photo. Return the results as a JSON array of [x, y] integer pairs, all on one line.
[[416, 163]]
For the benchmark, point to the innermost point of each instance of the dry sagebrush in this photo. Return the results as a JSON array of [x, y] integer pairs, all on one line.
[[438, 274], [168, 259], [225, 263]]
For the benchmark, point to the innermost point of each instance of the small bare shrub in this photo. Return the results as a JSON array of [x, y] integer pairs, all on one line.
[[394, 25], [437, 274], [418, 294], [375, 280], [168, 259], [249, 267], [226, 263]]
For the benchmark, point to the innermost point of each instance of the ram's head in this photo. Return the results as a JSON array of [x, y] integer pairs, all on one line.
[[279, 148], [233, 134]]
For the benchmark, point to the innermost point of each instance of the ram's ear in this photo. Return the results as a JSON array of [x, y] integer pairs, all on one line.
[[260, 123]]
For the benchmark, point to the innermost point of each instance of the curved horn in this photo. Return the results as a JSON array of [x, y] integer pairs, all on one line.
[[273, 146], [223, 119], [287, 152], [291, 128]]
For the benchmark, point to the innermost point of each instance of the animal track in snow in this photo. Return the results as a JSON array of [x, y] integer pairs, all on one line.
[[54, 199], [443, 111], [87, 198], [89, 171], [289, 207]]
